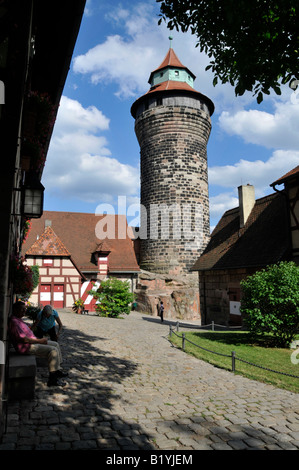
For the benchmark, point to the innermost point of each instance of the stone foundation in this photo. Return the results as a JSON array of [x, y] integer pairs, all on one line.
[[180, 295]]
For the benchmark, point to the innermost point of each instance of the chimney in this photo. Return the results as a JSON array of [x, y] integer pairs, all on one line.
[[246, 202], [48, 223]]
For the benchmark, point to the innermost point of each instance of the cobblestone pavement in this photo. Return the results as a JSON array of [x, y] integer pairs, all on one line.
[[129, 389]]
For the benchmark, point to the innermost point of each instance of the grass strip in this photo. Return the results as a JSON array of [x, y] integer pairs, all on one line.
[[257, 351]]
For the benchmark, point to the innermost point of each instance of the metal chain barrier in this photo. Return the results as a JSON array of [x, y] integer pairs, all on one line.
[[232, 356]]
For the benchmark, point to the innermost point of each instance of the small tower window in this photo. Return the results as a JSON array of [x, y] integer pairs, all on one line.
[[176, 73], [159, 101], [161, 74]]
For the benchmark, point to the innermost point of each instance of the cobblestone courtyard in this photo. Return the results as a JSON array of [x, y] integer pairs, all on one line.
[[129, 389]]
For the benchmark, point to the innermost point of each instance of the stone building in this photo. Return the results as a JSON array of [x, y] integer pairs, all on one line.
[[172, 125], [247, 238]]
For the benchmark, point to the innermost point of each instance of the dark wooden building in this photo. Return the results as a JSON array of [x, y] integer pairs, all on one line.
[[248, 238]]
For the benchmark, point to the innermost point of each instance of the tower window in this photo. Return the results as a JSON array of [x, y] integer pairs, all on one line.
[[159, 102], [161, 74], [176, 73]]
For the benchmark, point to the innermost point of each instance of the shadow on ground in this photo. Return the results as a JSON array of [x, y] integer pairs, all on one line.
[[78, 416]]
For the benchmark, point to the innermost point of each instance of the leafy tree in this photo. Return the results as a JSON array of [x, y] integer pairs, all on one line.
[[35, 275], [270, 302], [253, 45], [114, 298]]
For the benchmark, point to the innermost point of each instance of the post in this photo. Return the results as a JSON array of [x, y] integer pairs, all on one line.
[[212, 326], [177, 325], [233, 361], [170, 330], [183, 341]]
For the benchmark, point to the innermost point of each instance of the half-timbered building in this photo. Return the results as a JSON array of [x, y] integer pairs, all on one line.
[[288, 185], [73, 260]]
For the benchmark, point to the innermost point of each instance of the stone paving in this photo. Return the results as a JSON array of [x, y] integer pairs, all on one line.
[[130, 389]]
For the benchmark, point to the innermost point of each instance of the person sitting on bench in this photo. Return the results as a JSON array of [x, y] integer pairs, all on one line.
[[25, 342], [45, 323]]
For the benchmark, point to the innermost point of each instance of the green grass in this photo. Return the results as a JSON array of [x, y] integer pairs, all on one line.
[[256, 351]]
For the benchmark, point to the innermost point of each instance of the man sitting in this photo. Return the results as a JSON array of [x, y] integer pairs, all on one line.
[[25, 342], [45, 323]]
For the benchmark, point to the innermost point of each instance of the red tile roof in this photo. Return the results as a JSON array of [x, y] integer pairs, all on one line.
[[77, 231], [48, 244], [264, 239], [172, 85], [290, 174], [171, 60]]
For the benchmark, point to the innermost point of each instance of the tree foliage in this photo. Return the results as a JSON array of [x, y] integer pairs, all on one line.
[[253, 45], [35, 275], [114, 298], [270, 302]]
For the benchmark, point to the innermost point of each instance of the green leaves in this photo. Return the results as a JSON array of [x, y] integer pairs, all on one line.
[[114, 298], [253, 45], [270, 301]]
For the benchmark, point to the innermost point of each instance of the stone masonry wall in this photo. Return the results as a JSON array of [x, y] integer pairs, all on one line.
[[173, 142], [180, 295]]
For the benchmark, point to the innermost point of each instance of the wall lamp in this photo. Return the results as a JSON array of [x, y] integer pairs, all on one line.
[[32, 197]]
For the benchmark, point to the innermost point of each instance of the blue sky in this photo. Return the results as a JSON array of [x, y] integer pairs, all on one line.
[[94, 154]]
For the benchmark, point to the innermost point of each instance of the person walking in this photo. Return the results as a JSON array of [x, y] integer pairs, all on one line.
[[161, 311]]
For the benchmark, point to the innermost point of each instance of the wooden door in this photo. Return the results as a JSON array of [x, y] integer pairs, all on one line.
[[58, 296]]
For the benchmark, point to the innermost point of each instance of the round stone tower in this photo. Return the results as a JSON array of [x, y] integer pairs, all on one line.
[[172, 125]]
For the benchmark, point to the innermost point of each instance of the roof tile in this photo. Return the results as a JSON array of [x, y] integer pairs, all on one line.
[[79, 234], [264, 239], [48, 244], [290, 174]]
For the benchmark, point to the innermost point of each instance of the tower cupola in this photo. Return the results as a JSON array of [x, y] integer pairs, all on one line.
[[169, 79], [171, 70]]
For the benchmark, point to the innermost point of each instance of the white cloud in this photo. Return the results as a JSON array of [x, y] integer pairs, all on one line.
[[278, 130], [79, 163], [127, 58], [72, 115], [115, 60], [221, 203], [258, 173]]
